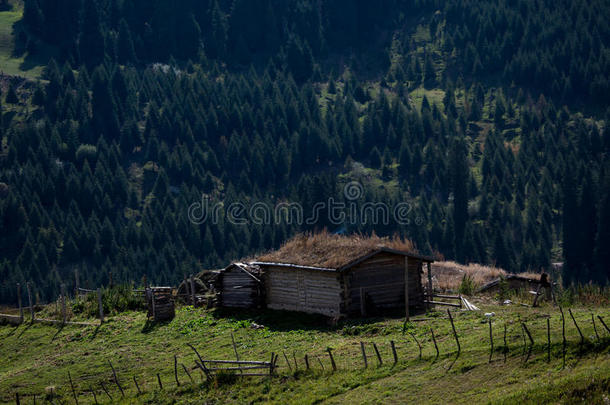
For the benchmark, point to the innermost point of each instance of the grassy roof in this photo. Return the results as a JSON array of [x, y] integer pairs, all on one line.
[[324, 249]]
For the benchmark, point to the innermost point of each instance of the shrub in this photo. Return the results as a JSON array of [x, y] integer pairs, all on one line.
[[86, 152], [468, 285], [117, 299]]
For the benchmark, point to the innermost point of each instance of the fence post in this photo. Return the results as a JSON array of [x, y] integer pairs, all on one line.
[[100, 306], [582, 338], [332, 359], [505, 344], [64, 314], [116, 379], [76, 283], [394, 351], [192, 280], [454, 331], [491, 341], [363, 354], [138, 387], [30, 300], [594, 327], [377, 353], [19, 303], [287, 362], [176, 370], [73, 390], [434, 341]]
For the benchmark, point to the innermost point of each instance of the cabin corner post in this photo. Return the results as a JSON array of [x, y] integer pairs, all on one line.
[[407, 288]]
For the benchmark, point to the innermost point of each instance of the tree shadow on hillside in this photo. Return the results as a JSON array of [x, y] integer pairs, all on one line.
[[34, 52]]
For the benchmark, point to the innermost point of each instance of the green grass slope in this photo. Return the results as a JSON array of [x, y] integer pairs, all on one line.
[[37, 356], [24, 65]]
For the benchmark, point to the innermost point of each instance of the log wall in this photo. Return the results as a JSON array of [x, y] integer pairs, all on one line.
[[311, 291], [381, 278], [240, 290]]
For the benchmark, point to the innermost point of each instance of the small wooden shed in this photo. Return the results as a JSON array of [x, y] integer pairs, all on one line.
[[241, 286], [342, 276], [160, 303]]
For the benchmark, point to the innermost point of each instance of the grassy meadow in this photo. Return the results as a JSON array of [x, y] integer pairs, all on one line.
[[36, 357]]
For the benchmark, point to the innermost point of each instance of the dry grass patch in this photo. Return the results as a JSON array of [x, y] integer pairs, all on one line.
[[447, 276]]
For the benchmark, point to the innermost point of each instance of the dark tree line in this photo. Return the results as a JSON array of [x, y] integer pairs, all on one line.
[[151, 106]]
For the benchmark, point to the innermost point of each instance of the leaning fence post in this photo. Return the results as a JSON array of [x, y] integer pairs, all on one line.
[[176, 370], [201, 363], [306, 362], [321, 365], [19, 303], [272, 361], [187, 373], [363, 354], [105, 390], [454, 332], [529, 335], [287, 362], [594, 327], [100, 306], [394, 351], [582, 338], [418, 344], [72, 386], [603, 323], [29, 288], [377, 353], [94, 396], [137, 386], [332, 359], [116, 379], [434, 340], [159, 380]]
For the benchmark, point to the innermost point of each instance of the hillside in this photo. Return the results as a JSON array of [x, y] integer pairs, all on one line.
[[149, 111], [36, 357]]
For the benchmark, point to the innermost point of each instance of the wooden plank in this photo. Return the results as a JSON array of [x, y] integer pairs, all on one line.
[[443, 303]]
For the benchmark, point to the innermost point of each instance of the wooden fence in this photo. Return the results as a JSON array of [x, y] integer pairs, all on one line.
[[370, 353]]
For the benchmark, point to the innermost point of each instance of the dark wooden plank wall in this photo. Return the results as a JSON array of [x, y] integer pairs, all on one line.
[[239, 290], [311, 291], [382, 279]]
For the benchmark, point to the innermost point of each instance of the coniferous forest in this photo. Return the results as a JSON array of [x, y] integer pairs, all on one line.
[[488, 117]]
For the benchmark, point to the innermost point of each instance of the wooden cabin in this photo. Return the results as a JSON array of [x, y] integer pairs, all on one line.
[[339, 276], [372, 283], [241, 286]]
